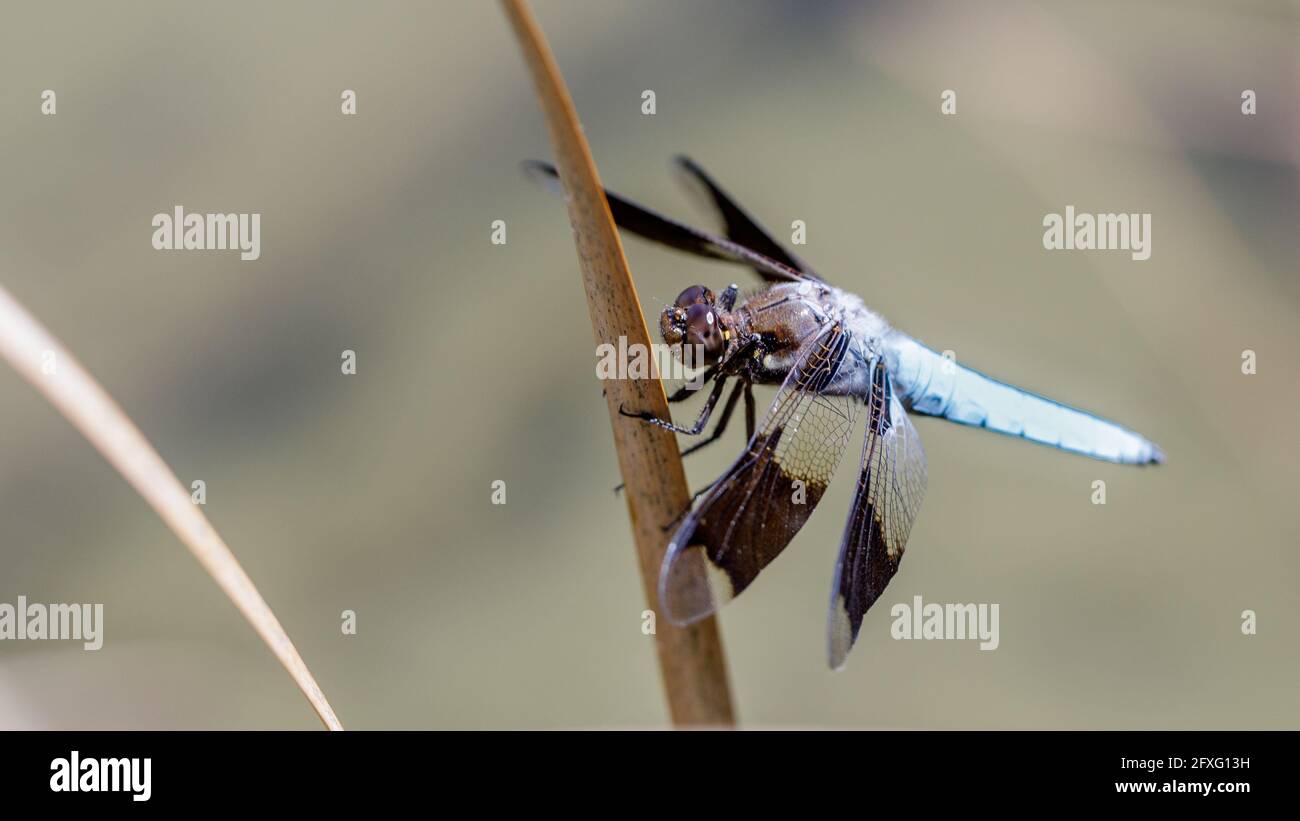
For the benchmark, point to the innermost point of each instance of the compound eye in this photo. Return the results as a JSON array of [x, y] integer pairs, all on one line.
[[695, 295], [703, 328]]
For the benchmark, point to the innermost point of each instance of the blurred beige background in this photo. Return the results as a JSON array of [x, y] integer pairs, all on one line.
[[371, 492]]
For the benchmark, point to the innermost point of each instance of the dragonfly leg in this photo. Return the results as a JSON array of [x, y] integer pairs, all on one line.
[[731, 366], [722, 423], [718, 429], [700, 422], [720, 372], [691, 388], [749, 411]]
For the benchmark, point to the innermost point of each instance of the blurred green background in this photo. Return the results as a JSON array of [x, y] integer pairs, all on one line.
[[476, 362]]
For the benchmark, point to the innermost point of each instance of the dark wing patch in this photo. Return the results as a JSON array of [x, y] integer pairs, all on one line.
[[891, 485], [651, 225], [740, 226], [753, 511]]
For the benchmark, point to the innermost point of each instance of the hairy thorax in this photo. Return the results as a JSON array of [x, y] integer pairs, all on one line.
[[788, 315]]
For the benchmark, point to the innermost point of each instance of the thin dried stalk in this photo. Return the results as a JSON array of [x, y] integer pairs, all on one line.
[[691, 659], [53, 371]]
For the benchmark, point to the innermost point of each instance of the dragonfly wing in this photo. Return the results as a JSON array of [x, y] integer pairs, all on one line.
[[754, 509], [740, 226], [891, 485], [653, 226]]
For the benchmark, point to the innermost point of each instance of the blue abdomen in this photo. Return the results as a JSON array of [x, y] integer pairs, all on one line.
[[932, 385]]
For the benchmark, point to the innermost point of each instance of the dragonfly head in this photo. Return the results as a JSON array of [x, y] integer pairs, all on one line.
[[695, 320]]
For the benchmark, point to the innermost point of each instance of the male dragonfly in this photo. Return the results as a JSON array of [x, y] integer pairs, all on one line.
[[831, 355]]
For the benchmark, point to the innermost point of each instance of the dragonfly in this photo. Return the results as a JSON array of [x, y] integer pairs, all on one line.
[[832, 360]]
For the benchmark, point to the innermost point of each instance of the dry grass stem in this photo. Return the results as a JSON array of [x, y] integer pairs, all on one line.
[[53, 371], [691, 659]]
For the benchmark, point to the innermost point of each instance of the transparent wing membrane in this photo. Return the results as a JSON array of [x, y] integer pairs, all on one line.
[[753, 511], [891, 486]]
